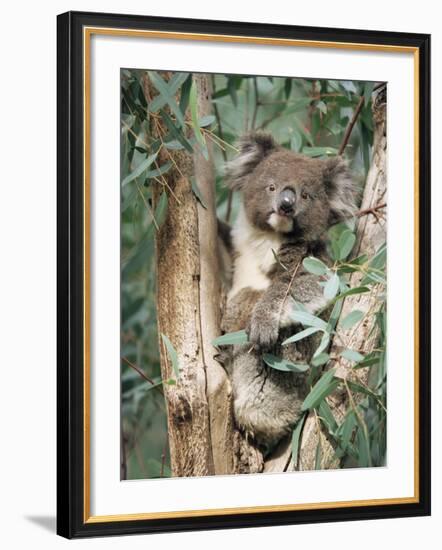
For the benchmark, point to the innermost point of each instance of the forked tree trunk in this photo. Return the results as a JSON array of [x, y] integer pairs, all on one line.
[[188, 306]]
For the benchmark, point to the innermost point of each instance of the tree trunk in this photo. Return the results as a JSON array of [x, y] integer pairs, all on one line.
[[188, 307], [371, 232]]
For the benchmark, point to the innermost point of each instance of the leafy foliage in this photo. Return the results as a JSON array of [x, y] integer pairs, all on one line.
[[309, 116]]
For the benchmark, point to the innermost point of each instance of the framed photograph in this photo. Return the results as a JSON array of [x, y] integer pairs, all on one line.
[[235, 346]]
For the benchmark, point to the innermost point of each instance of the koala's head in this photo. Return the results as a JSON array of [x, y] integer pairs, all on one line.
[[287, 192]]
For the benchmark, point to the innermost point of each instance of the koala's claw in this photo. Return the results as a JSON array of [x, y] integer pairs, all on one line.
[[263, 332]]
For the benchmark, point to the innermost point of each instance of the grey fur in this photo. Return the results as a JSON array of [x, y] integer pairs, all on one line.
[[267, 402]]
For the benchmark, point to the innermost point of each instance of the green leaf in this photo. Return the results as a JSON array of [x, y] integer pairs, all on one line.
[[369, 360], [347, 428], [195, 123], [379, 259], [331, 287], [325, 340], [368, 90], [296, 438], [361, 389], [322, 107], [308, 319], [351, 355], [175, 82], [176, 132], [232, 86], [170, 382], [299, 104], [346, 243], [282, 364], [356, 290], [296, 142], [142, 167], [172, 354], [334, 316], [167, 92], [205, 121], [239, 337], [319, 151], [128, 200], [196, 191], [363, 445], [354, 265], [300, 335], [298, 306], [185, 93], [161, 208], [351, 319], [158, 171], [327, 417], [373, 277], [287, 87], [320, 359], [325, 386], [315, 266], [174, 145], [302, 129]]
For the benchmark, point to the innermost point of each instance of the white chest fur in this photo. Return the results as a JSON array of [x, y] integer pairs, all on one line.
[[254, 256]]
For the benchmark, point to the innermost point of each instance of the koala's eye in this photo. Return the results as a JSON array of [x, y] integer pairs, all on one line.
[[304, 195], [271, 187]]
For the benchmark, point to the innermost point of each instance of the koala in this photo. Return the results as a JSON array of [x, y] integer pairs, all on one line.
[[288, 202]]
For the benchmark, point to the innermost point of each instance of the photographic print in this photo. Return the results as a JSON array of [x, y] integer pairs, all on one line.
[[235, 346], [253, 274]]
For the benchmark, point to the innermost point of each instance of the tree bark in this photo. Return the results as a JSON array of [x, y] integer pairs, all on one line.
[[200, 425], [218, 387]]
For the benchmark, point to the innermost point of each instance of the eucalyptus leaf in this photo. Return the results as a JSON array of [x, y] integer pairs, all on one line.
[[308, 319], [161, 208], [239, 337], [315, 266], [172, 354], [351, 319], [351, 292], [325, 340], [296, 438], [320, 359], [331, 287], [167, 92], [300, 335], [142, 167], [346, 243], [176, 132], [325, 386], [282, 364], [319, 151], [158, 171], [352, 355], [205, 121]]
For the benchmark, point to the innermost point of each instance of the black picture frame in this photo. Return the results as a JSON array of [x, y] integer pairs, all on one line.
[[71, 521]]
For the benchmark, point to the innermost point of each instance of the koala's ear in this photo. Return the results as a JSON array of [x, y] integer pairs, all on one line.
[[253, 148], [341, 189]]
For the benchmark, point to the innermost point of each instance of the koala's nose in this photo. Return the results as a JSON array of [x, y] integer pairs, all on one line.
[[286, 201]]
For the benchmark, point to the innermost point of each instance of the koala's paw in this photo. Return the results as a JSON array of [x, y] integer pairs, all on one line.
[[263, 330]]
